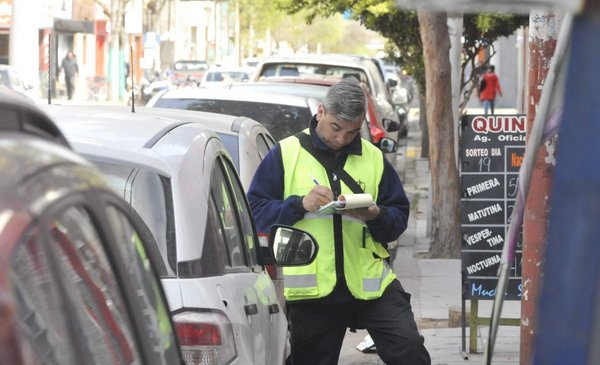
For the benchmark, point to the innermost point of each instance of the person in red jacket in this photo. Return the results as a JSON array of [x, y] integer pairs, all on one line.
[[489, 89]]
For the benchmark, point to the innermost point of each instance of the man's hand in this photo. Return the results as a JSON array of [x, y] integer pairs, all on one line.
[[364, 214], [318, 196]]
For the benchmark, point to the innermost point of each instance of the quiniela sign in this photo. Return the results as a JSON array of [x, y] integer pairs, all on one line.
[[491, 153]]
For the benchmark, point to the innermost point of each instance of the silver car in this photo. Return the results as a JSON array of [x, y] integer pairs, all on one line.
[[181, 180], [246, 140]]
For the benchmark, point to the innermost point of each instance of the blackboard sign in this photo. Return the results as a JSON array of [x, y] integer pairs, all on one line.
[[491, 153]]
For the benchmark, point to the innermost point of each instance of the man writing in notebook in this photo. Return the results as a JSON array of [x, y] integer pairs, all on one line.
[[350, 284]]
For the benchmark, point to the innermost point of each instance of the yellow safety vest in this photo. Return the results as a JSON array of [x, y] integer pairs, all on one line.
[[366, 271]]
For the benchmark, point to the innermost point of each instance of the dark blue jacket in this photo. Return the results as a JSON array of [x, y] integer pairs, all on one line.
[[265, 195]]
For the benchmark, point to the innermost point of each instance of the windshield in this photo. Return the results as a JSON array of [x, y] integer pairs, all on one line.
[[280, 120]]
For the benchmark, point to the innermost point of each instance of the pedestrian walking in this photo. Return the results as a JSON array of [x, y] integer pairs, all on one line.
[[350, 283], [71, 71], [489, 85]]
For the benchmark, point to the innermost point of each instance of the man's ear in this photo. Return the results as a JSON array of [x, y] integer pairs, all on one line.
[[320, 112]]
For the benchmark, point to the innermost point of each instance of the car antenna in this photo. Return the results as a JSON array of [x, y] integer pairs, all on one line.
[[131, 77]]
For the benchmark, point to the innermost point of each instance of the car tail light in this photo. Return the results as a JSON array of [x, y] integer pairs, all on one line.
[[205, 338]]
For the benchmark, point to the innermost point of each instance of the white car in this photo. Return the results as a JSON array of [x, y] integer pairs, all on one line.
[[246, 140], [181, 180]]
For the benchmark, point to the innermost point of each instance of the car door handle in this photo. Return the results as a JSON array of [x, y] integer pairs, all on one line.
[[273, 308], [250, 309]]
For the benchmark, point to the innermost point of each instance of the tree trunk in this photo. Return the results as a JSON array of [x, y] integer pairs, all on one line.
[[423, 124], [445, 218]]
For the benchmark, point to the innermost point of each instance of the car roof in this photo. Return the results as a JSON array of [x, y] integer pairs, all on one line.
[[309, 90], [325, 59], [220, 123], [100, 122], [229, 94]]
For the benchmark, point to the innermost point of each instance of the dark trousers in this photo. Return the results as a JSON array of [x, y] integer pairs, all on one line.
[[70, 81], [317, 330]]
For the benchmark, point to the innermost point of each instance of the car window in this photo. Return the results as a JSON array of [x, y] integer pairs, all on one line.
[[149, 299], [309, 69], [223, 200], [280, 120], [248, 233], [88, 321], [214, 258], [151, 196], [190, 66], [231, 145], [264, 145], [378, 87]]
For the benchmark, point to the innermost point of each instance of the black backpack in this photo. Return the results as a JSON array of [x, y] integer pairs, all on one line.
[[482, 84]]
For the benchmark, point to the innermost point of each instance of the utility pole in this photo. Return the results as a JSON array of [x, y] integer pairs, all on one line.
[[543, 33]]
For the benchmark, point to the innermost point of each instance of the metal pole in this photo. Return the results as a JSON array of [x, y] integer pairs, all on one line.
[[543, 34]]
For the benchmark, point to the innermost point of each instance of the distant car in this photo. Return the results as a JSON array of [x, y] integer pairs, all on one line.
[[282, 114], [182, 181], [78, 284], [11, 79], [186, 71], [331, 65], [221, 76]]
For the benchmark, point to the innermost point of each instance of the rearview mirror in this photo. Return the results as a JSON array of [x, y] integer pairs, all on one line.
[[292, 246], [387, 144], [390, 125]]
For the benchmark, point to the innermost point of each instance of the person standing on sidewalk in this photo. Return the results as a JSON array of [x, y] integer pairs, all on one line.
[[489, 86], [350, 284], [71, 70]]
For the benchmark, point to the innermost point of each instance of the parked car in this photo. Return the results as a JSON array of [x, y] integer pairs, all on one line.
[[188, 71], [77, 281], [246, 140], [222, 76], [11, 79], [182, 181], [282, 114], [331, 65], [317, 88]]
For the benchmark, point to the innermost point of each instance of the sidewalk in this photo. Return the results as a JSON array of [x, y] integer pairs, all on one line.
[[434, 284]]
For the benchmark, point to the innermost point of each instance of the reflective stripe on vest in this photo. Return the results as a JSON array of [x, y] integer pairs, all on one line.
[[365, 269]]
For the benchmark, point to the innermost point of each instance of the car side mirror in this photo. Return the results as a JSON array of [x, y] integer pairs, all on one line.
[[292, 246], [387, 144], [390, 125]]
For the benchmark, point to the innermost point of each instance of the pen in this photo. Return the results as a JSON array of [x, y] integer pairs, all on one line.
[[314, 180]]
